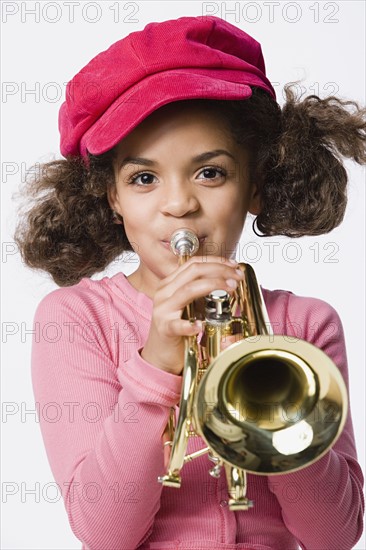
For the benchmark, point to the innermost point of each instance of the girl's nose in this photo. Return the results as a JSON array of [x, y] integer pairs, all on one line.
[[179, 200]]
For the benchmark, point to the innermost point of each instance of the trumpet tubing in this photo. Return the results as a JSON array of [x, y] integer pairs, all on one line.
[[263, 405]]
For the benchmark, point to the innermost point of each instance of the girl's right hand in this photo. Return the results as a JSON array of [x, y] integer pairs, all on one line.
[[164, 347]]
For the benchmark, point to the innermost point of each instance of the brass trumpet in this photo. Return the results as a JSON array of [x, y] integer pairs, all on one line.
[[266, 404]]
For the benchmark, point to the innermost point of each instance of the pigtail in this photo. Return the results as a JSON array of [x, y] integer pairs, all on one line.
[[302, 178], [69, 230]]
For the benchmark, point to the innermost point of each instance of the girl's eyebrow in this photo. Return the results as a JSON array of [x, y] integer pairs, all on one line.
[[199, 158]]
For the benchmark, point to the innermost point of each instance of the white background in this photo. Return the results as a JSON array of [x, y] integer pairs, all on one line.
[[322, 43]]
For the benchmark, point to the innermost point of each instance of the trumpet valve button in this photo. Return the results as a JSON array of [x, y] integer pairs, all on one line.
[[219, 295], [218, 305]]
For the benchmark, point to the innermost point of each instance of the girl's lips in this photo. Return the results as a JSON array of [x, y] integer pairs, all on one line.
[[167, 243]]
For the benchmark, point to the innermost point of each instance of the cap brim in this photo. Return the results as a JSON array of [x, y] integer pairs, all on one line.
[[130, 109]]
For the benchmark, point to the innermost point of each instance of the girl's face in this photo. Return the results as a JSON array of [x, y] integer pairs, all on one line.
[[180, 168]]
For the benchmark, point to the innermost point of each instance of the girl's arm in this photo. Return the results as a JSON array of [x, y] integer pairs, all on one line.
[[101, 424], [322, 505], [105, 450]]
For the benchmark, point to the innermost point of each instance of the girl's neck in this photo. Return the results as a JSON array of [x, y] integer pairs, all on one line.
[[140, 282]]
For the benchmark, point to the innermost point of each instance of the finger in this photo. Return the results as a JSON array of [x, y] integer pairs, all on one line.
[[204, 260], [196, 272], [181, 327], [195, 289]]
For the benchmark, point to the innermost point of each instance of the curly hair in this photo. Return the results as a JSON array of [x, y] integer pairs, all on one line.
[[295, 159]]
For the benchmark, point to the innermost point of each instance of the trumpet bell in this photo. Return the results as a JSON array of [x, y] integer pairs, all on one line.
[[267, 405]]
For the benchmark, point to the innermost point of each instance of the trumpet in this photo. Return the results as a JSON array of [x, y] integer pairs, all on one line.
[[265, 405]]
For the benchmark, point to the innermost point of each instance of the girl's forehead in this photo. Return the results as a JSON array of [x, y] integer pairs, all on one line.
[[181, 122]]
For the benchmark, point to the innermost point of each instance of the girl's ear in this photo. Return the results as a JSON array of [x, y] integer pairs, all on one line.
[[255, 201], [114, 205], [112, 198]]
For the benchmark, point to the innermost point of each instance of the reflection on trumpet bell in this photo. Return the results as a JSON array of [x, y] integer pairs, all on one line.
[[263, 404], [266, 424]]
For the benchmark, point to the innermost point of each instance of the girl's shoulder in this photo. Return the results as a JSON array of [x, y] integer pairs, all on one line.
[[303, 316], [288, 299], [92, 298], [83, 295]]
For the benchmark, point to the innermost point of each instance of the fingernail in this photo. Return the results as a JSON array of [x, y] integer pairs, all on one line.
[[231, 283], [239, 272], [198, 325]]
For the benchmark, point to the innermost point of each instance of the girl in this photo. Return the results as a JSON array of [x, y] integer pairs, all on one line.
[[184, 131]]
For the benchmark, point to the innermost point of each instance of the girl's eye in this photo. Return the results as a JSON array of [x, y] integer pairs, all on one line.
[[146, 176], [212, 169]]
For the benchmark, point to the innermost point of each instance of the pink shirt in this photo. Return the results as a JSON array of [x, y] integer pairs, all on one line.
[[103, 410]]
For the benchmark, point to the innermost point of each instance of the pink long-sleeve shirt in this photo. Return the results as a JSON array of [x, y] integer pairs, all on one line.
[[103, 410]]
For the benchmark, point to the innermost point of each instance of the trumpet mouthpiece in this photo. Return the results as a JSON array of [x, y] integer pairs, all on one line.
[[184, 242]]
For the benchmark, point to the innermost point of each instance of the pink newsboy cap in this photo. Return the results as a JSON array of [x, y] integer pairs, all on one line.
[[184, 58]]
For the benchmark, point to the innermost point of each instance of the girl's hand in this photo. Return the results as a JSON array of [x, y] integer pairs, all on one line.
[[164, 347]]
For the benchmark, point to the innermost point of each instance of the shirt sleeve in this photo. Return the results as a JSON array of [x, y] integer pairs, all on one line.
[[322, 505], [101, 423]]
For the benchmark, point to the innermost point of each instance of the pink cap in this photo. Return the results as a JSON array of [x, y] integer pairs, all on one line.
[[185, 58]]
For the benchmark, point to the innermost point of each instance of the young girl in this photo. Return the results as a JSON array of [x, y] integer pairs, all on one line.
[[184, 131]]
